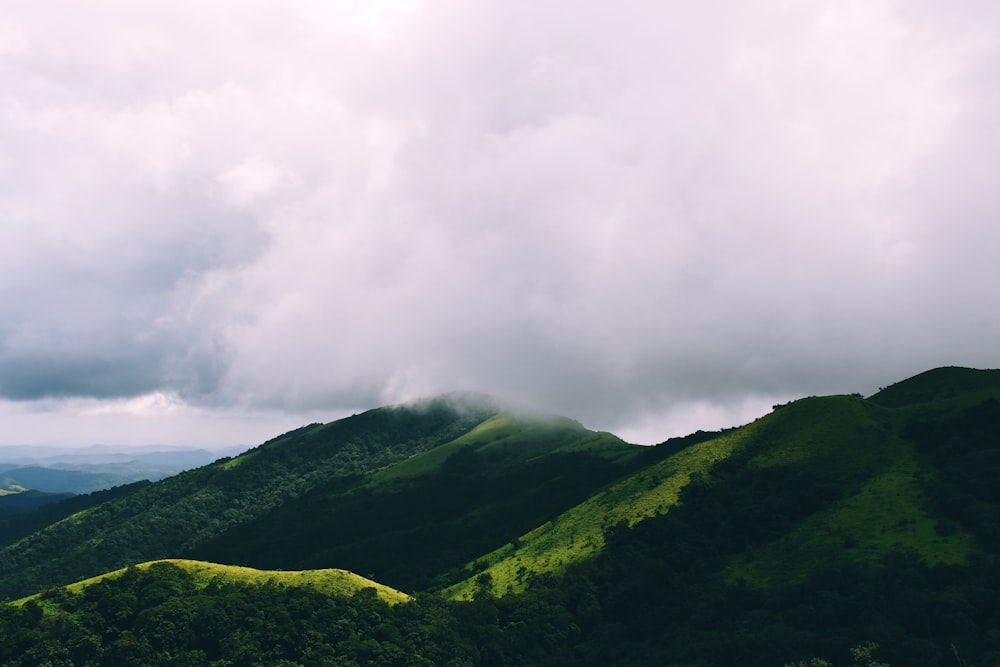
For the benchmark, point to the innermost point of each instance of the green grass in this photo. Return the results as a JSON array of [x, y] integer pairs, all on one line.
[[236, 461], [328, 581], [425, 463], [506, 439], [854, 444], [845, 435], [885, 514], [578, 533]]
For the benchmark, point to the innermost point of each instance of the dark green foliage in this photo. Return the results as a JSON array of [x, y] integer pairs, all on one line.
[[656, 592], [15, 503], [939, 385], [631, 607], [964, 448]]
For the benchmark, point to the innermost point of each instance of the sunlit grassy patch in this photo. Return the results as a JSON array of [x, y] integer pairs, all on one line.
[[328, 581], [578, 533], [237, 460]]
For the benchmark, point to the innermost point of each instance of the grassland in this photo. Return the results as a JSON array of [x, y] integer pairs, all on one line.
[[504, 439], [329, 581], [578, 533], [855, 445]]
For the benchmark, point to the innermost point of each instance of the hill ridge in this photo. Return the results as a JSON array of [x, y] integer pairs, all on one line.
[[332, 581]]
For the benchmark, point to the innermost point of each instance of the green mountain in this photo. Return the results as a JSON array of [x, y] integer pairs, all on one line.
[[17, 525], [442, 507], [179, 514], [834, 530]]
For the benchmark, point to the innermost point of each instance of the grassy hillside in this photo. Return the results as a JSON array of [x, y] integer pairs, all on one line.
[[579, 532], [22, 524], [865, 487], [184, 613], [879, 500], [202, 574]]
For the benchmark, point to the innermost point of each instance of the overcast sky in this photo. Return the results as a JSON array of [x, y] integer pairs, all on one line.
[[222, 220]]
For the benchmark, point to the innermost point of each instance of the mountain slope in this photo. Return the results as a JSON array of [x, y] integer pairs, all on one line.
[[177, 514], [441, 507], [853, 486], [840, 525], [22, 524], [579, 532], [15, 499], [946, 387]]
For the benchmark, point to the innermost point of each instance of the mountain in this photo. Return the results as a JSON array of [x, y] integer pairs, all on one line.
[[442, 507], [17, 525], [74, 471], [180, 513], [82, 478], [833, 530], [180, 458]]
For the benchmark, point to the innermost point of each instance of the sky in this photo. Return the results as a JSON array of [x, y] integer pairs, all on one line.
[[220, 221]]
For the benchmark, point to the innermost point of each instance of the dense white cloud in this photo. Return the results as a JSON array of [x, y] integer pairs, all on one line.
[[652, 216]]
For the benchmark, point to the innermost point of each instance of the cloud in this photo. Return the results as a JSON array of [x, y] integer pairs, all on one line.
[[618, 213]]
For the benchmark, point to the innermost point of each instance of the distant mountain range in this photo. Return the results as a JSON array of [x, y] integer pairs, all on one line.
[[833, 530], [180, 458], [31, 477]]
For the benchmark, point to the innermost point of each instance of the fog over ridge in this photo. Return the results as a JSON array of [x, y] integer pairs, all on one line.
[[220, 222]]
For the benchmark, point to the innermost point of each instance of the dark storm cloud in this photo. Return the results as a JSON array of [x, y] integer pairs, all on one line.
[[650, 216]]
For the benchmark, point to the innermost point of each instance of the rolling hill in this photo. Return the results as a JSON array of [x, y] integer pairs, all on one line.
[[202, 574], [830, 529]]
